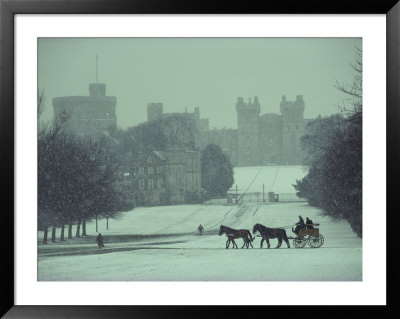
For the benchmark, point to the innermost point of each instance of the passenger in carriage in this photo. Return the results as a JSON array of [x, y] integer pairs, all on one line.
[[299, 225], [309, 222]]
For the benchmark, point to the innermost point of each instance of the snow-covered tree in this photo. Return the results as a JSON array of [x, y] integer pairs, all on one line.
[[216, 171], [76, 180], [334, 148]]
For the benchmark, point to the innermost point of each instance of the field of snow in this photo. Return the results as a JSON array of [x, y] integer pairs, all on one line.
[[162, 244], [278, 179]]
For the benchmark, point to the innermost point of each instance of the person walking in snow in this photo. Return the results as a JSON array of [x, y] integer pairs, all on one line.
[[99, 240], [200, 229], [299, 225]]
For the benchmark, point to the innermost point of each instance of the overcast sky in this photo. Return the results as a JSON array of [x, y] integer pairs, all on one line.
[[206, 72]]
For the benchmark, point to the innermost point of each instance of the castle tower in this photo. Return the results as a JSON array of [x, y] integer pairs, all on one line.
[[89, 116], [248, 116], [97, 89], [154, 111], [292, 130]]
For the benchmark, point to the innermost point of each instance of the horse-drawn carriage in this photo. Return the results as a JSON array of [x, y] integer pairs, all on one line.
[[310, 236], [308, 233]]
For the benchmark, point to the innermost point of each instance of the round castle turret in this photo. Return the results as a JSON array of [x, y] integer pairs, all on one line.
[[89, 115]]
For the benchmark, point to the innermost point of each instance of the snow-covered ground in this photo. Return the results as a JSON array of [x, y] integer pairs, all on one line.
[[161, 243], [278, 179]]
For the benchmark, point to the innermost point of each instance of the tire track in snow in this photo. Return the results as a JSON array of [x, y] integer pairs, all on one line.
[[273, 183], [188, 217], [225, 217], [251, 183], [256, 210], [132, 248], [244, 213]]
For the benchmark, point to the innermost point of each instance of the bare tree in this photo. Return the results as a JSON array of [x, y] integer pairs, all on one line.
[[49, 130], [352, 106]]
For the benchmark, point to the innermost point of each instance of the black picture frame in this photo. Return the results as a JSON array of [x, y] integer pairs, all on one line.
[[8, 10]]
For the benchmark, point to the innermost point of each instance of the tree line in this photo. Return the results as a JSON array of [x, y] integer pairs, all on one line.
[[333, 147], [80, 178]]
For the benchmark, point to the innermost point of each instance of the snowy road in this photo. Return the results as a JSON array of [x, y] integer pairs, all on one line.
[[161, 243]]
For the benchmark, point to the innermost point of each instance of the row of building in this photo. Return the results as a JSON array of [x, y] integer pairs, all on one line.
[[156, 177], [170, 176], [268, 139]]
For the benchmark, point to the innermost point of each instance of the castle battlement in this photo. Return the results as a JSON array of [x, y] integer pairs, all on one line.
[[260, 139], [253, 107], [290, 106]]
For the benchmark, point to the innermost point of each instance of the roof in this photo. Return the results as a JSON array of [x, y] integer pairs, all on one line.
[[159, 155]]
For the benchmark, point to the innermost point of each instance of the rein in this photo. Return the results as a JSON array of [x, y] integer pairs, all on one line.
[[284, 227], [288, 226]]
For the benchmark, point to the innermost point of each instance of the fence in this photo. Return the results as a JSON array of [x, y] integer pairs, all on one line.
[[259, 197], [289, 197]]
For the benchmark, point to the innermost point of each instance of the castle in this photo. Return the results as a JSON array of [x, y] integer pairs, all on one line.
[[159, 177], [268, 139], [88, 115], [172, 175]]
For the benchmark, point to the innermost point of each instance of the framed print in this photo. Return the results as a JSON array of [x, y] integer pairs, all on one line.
[[181, 155]]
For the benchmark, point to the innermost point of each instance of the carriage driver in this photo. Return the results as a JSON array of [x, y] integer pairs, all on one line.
[[309, 223], [299, 225]]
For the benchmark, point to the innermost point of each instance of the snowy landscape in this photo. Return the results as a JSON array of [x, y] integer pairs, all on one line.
[[162, 243]]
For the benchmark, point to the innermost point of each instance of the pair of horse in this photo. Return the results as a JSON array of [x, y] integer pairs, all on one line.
[[265, 232]]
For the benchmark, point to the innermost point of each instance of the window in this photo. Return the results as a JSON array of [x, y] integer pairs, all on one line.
[[141, 170], [159, 169], [159, 183], [141, 183], [150, 170], [150, 183]]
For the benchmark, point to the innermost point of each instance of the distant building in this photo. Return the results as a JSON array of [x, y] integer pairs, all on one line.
[[248, 132], [178, 123], [150, 179], [124, 184], [88, 115], [163, 177], [292, 130], [269, 139]]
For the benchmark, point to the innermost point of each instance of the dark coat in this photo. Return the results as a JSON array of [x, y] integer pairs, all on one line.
[[99, 240], [309, 222], [301, 221]]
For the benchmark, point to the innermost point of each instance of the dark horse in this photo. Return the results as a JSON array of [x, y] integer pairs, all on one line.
[[268, 233], [233, 234]]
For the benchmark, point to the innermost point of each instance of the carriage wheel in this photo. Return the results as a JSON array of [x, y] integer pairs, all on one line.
[[299, 242], [316, 241]]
